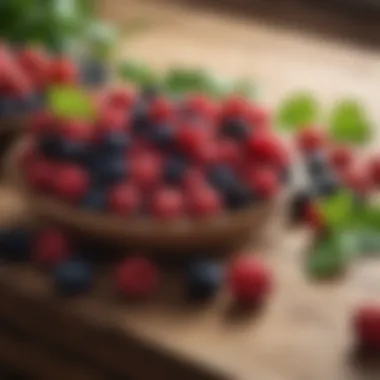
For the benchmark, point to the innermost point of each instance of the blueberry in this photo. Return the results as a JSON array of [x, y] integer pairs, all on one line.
[[108, 169], [203, 279], [95, 200], [33, 102], [15, 243], [162, 136], [93, 72], [326, 185], [174, 169], [140, 119], [316, 163], [73, 277], [116, 142], [221, 177], [238, 196], [236, 128], [8, 106], [70, 150]]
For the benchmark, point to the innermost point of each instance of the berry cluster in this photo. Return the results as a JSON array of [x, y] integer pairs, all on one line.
[[72, 268], [331, 167], [24, 76], [148, 154]]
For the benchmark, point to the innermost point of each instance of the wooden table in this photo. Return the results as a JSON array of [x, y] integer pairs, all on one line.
[[301, 334]]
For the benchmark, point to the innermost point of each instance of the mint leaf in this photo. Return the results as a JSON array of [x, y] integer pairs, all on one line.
[[137, 73], [297, 111], [349, 123], [338, 210], [70, 102]]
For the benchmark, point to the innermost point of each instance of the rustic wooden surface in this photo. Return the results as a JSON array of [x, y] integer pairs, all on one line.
[[303, 332]]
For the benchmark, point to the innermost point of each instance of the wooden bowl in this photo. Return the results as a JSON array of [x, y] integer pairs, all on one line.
[[215, 234]]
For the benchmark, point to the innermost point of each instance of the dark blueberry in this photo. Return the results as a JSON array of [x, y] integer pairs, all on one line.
[[238, 196], [32, 102], [95, 200], [116, 142], [162, 136], [70, 150], [298, 204], [140, 119], [203, 279], [73, 277], [15, 243], [174, 169], [107, 169], [221, 177], [236, 128], [316, 163], [8, 106], [93, 72], [326, 185]]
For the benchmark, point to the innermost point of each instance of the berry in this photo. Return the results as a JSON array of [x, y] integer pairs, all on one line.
[[316, 163], [40, 174], [94, 200], [140, 121], [41, 122], [310, 139], [71, 183], [203, 279], [326, 185], [73, 277], [50, 247], [258, 118], [120, 98], [204, 202], [15, 243], [314, 218], [265, 183], [124, 200], [299, 204], [341, 157], [162, 136], [230, 153], [235, 106], [93, 73], [366, 324], [160, 110], [201, 105], [167, 204], [238, 196], [207, 154], [174, 170], [236, 128], [267, 149], [357, 180], [62, 71], [193, 179], [146, 170], [374, 169], [109, 169], [221, 177], [137, 278], [249, 280], [49, 145], [110, 120], [189, 138], [116, 141], [76, 131]]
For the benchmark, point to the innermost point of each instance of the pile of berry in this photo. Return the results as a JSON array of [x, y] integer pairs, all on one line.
[[71, 265], [25, 74], [145, 153]]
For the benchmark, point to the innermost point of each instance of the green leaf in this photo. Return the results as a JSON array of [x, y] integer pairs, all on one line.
[[349, 123], [297, 111], [338, 210], [70, 102], [137, 73]]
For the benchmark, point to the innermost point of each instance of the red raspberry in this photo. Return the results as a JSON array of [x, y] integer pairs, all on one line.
[[235, 106], [357, 180], [230, 153], [40, 174], [314, 218], [137, 278], [191, 138], [160, 110], [167, 204], [146, 170], [124, 200], [204, 202], [62, 71], [259, 118], [17, 82], [201, 105], [77, 130], [50, 247], [366, 323], [341, 157], [249, 280], [310, 139], [120, 98], [374, 169], [111, 120], [265, 183], [193, 179], [71, 183], [41, 122], [207, 153]]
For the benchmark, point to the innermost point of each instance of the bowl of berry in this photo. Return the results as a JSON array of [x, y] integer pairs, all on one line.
[[154, 172]]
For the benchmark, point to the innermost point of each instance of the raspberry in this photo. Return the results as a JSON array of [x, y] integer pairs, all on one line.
[[310, 139], [77, 131], [137, 278], [366, 324], [40, 174], [235, 106], [230, 153], [160, 110], [341, 157], [111, 119], [124, 200], [71, 183], [265, 183], [249, 280], [62, 71], [193, 179], [207, 154], [374, 169], [204, 202], [41, 122], [258, 118], [190, 138], [50, 247], [201, 105], [357, 180], [167, 204], [120, 98], [146, 170]]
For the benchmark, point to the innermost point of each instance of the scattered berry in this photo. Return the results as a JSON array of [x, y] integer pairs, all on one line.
[[366, 324]]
